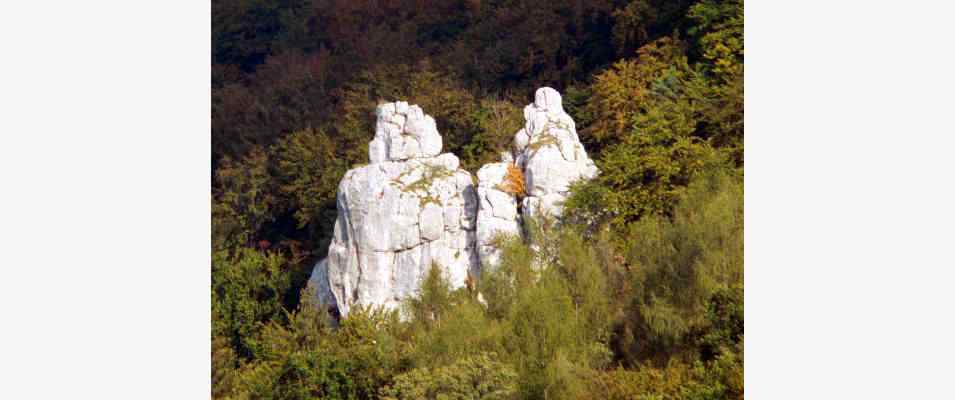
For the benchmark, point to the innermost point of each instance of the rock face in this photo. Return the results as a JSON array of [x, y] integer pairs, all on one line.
[[497, 210], [550, 154], [408, 208], [403, 132], [413, 206]]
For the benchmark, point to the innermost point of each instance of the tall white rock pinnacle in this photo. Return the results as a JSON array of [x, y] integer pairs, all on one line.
[[408, 208], [550, 154]]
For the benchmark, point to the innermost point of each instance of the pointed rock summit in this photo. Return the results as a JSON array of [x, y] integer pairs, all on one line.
[[550, 154]]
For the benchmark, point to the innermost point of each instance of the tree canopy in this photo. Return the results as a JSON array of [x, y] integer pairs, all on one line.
[[636, 294]]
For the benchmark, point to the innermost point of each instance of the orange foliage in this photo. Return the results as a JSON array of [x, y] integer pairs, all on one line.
[[513, 181]]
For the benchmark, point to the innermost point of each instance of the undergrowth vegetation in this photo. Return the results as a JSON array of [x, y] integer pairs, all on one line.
[[637, 293], [653, 313]]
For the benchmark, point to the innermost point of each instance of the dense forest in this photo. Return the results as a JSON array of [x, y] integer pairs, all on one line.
[[641, 294]]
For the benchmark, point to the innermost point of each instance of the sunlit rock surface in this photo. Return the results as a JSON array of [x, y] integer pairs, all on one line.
[[497, 211], [413, 205], [550, 154], [408, 208]]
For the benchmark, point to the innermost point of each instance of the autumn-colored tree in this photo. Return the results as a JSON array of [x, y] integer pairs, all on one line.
[[657, 121], [628, 87]]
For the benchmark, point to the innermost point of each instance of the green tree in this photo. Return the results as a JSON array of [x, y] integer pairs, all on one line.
[[306, 358], [648, 114], [550, 295], [719, 32], [309, 166], [243, 200], [224, 365], [719, 26], [478, 377], [296, 361], [629, 87], [495, 121], [249, 288], [644, 270], [447, 325], [680, 263]]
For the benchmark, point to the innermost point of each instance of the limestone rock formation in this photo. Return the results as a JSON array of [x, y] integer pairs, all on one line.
[[403, 132], [413, 206], [408, 208], [550, 154], [497, 210]]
